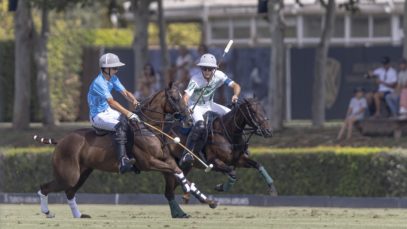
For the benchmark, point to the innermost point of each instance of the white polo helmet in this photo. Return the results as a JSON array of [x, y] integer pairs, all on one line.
[[207, 60], [110, 60]]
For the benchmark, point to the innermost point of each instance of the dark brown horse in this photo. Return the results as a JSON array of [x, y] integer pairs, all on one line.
[[227, 143], [80, 152]]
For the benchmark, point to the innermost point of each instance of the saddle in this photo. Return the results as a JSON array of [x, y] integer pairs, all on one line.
[[130, 138]]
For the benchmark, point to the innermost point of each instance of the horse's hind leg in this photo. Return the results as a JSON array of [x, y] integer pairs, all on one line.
[[70, 194], [249, 163]]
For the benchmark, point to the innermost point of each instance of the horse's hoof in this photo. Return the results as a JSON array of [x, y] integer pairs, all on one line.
[[50, 215], [183, 216], [273, 190], [85, 216], [219, 187], [213, 204]]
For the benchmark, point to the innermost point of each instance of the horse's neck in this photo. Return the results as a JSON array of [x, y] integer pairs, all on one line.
[[234, 121], [153, 111]]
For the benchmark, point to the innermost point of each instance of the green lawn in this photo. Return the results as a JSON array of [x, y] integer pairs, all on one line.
[[142, 216]]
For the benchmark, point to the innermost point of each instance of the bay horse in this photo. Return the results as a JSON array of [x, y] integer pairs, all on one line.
[[227, 143], [81, 151]]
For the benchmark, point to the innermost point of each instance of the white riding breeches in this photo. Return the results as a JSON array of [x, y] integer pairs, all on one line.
[[200, 110], [106, 120]]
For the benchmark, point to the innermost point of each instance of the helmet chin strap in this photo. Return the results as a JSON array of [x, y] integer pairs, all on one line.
[[108, 73]]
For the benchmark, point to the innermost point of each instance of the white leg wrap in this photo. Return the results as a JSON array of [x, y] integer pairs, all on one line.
[[74, 208], [198, 193], [44, 205], [43, 202], [184, 182]]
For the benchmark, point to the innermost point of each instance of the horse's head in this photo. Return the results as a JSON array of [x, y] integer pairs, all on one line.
[[256, 117], [176, 105]]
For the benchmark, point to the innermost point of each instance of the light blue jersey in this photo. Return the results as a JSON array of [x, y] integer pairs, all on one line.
[[99, 92]]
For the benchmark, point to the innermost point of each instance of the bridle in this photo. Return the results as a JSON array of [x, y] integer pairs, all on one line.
[[249, 117], [178, 114]]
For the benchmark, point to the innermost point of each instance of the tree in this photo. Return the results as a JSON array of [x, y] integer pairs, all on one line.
[[140, 43], [277, 63], [405, 30], [321, 56], [23, 30], [165, 58], [41, 61]]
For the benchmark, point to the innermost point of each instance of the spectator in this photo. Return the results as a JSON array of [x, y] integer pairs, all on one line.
[[402, 85], [386, 78], [356, 111], [148, 84], [183, 64], [393, 99]]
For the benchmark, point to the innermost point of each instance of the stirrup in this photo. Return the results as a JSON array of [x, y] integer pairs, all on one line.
[[186, 160]]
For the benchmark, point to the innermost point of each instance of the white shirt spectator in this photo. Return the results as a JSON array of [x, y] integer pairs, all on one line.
[[389, 76], [357, 105]]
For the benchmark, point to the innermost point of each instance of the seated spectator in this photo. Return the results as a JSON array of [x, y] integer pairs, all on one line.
[[402, 85], [393, 99], [386, 79], [356, 112]]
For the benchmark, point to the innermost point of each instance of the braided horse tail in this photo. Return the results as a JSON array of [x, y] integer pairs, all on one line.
[[50, 141]]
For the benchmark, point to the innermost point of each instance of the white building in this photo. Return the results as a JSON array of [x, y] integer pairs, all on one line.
[[378, 22]]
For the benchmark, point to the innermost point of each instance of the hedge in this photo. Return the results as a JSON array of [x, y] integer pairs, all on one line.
[[362, 172]]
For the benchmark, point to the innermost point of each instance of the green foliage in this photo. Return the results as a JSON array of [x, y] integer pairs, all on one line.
[[6, 22], [349, 173]]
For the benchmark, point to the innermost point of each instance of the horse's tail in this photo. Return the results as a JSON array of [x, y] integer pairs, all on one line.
[[50, 141]]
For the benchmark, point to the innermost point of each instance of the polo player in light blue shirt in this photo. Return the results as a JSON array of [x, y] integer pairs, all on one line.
[[105, 112]]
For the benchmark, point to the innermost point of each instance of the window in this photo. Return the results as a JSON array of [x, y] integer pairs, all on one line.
[[339, 31], [359, 26], [241, 29], [220, 28], [262, 28], [312, 26], [291, 27], [381, 27]]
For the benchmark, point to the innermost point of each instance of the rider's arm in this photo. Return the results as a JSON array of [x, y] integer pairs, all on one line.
[[130, 97], [236, 91], [185, 97], [115, 105]]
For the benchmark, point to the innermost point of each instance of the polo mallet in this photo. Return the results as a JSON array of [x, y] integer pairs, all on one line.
[[213, 73], [176, 140]]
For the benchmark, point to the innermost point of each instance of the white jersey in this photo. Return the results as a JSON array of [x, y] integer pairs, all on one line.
[[198, 83], [389, 76]]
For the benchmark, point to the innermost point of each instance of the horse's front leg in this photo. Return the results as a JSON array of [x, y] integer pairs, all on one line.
[[170, 184], [192, 188], [246, 162]]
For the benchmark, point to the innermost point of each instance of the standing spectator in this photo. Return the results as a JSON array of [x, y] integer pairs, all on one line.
[[149, 82], [183, 64], [386, 78], [356, 111], [402, 85]]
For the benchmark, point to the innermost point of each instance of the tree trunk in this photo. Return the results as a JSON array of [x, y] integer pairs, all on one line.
[[140, 43], [165, 58], [41, 60], [405, 30], [23, 36], [277, 63], [321, 56]]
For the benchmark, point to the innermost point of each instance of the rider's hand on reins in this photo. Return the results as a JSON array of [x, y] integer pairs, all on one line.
[[133, 117], [234, 98]]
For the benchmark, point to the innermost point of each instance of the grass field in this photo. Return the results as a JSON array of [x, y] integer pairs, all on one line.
[[143, 216]]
